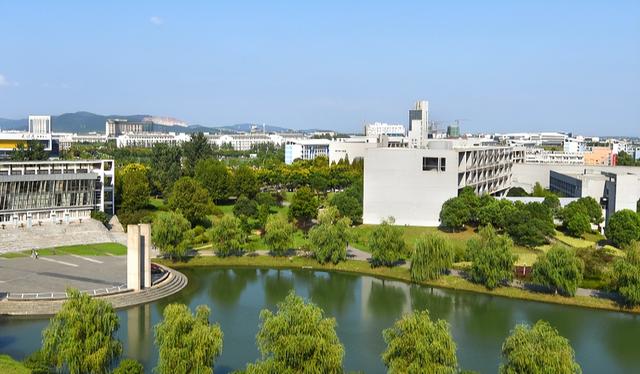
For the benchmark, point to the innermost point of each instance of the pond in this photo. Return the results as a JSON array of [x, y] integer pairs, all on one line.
[[363, 306]]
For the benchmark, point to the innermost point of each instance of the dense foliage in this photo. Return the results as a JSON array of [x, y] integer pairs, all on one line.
[[81, 336], [626, 275], [455, 213], [189, 198], [187, 343], [559, 269], [387, 244], [278, 234], [416, 344], [297, 339], [330, 236], [214, 176], [129, 366], [169, 234], [227, 237], [135, 189], [538, 349], [492, 258], [304, 206], [432, 256], [623, 227]]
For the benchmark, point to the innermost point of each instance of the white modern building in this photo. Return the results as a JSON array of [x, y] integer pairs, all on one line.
[[305, 149], [540, 156], [66, 140], [419, 124], [380, 128], [412, 184], [40, 124], [116, 127], [350, 148], [149, 139], [32, 191]]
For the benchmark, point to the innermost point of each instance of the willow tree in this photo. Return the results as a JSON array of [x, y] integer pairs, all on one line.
[[278, 234], [537, 349], [297, 339], [416, 344], [492, 258], [387, 244], [432, 256], [559, 269], [187, 343], [330, 236], [81, 336]]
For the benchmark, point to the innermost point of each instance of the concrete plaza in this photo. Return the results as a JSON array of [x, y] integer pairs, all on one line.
[[57, 273]]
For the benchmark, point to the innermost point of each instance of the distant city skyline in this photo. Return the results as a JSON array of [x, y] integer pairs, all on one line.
[[499, 66]]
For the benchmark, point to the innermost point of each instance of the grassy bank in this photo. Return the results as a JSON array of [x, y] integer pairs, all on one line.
[[10, 366], [397, 273], [100, 249]]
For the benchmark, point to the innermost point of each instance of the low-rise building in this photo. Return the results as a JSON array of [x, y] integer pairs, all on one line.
[[149, 139], [32, 191], [305, 149], [540, 156], [599, 156], [380, 128], [116, 127]]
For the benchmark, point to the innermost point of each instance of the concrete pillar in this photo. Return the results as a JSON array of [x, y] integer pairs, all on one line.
[[138, 263]]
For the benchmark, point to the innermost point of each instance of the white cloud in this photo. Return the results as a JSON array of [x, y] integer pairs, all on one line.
[[156, 20], [3, 81]]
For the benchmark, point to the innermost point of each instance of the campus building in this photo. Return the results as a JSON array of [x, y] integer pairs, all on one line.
[[305, 149], [380, 128], [39, 130], [411, 184], [36, 191], [116, 127], [149, 139]]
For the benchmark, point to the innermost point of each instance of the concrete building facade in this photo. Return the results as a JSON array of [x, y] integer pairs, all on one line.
[[32, 191], [305, 149], [380, 128]]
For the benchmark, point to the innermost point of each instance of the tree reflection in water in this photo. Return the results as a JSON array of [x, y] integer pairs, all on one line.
[[227, 285]]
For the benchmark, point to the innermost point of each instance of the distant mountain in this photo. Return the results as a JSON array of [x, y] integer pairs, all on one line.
[[84, 122]]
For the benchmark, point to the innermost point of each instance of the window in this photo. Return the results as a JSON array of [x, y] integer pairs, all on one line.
[[429, 163], [443, 164]]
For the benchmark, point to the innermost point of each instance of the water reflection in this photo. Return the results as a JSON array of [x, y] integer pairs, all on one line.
[[386, 298], [227, 285], [139, 332], [437, 302], [277, 284], [334, 292]]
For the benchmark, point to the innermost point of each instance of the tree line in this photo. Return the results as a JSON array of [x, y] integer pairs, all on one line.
[[295, 338]]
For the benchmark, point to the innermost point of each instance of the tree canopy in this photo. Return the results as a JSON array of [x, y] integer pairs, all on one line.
[[187, 343], [196, 149], [227, 236], [559, 269], [278, 234], [214, 176], [537, 349], [169, 234], [245, 182], [297, 339], [626, 275], [432, 256], [455, 213], [330, 236], [135, 187], [623, 227], [492, 258], [416, 344], [387, 244], [81, 336], [191, 200], [304, 206], [167, 168]]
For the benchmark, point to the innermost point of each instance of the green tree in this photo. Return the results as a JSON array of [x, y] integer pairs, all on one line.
[[538, 349], [278, 234], [455, 213], [135, 188], [348, 205], [33, 150], [432, 256], [576, 222], [593, 209], [169, 234], [530, 224], [129, 366], [81, 336], [304, 206], [492, 258], [638, 207], [623, 227], [196, 149], [559, 269], [330, 236], [626, 275], [191, 200], [214, 176], [187, 343], [227, 237], [387, 244], [552, 202], [297, 339], [166, 168], [266, 199], [245, 182], [244, 207], [416, 344]]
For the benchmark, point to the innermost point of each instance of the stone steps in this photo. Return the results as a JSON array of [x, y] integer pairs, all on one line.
[[174, 283]]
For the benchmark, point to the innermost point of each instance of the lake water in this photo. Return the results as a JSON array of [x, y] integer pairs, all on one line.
[[605, 342]]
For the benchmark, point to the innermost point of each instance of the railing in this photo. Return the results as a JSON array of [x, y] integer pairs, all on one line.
[[60, 295]]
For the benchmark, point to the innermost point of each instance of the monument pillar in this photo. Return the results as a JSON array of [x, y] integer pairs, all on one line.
[[138, 262]]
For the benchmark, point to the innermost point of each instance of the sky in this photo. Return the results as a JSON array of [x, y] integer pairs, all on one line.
[[498, 66]]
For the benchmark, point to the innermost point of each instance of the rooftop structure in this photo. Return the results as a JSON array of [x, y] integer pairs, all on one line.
[[380, 128]]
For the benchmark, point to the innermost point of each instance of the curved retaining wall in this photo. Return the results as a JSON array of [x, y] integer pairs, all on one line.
[[171, 284]]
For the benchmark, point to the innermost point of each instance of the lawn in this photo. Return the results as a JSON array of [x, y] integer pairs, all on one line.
[[573, 242], [101, 249], [458, 240], [10, 366]]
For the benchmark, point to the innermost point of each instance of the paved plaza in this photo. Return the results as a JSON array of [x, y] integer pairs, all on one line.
[[56, 273]]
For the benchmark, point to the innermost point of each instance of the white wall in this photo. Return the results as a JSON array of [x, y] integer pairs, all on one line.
[[395, 185]]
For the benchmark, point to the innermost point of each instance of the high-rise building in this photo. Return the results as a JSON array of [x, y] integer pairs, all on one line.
[[419, 124], [40, 124]]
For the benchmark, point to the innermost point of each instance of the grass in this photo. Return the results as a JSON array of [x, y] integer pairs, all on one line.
[[573, 242], [10, 366], [101, 249], [458, 240], [397, 273]]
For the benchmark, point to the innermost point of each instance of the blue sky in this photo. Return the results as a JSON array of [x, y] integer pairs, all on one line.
[[501, 65]]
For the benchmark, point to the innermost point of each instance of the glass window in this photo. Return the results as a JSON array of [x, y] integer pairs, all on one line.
[[429, 163]]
